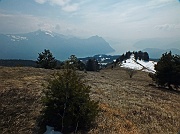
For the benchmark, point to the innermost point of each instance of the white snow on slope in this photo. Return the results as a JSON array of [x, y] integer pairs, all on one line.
[[131, 63], [50, 130], [17, 38], [49, 33]]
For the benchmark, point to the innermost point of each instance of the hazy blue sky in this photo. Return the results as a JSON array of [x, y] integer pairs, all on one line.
[[111, 19]]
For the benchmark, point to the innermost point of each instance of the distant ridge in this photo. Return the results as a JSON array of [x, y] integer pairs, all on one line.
[[28, 45], [156, 53], [18, 63], [157, 46]]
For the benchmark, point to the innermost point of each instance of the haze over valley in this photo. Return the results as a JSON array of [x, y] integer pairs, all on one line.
[[113, 27]]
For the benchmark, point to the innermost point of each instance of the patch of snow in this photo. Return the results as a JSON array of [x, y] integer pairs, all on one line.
[[50, 130], [102, 59], [48, 33], [147, 66], [130, 63], [17, 38], [103, 64]]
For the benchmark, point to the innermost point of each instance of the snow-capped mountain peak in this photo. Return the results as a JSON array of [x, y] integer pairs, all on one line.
[[46, 32]]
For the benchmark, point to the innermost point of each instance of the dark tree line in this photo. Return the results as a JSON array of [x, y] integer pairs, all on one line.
[[137, 55], [17, 63], [47, 61]]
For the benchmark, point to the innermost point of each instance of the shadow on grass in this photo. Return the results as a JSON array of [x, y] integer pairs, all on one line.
[[166, 89]]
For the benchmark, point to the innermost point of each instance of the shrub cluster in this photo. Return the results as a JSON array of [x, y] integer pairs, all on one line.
[[67, 105], [168, 71]]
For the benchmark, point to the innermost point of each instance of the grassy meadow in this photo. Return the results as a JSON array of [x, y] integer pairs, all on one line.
[[128, 105]]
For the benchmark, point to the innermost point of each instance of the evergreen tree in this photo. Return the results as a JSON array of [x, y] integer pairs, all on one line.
[[67, 105], [135, 55], [92, 65], [75, 63], [168, 70], [46, 60], [140, 55], [81, 66], [117, 60], [145, 56], [122, 57], [128, 54]]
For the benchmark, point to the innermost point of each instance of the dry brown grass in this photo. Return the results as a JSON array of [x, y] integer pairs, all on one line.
[[128, 105]]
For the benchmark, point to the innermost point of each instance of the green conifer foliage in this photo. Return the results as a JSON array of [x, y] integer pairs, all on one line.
[[67, 105], [75, 63], [92, 65], [168, 71], [46, 60]]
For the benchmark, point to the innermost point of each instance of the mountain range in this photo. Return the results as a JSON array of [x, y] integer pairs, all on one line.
[[156, 53], [157, 46], [28, 45], [165, 43]]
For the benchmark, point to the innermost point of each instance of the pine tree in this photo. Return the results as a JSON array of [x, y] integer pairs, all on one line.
[[67, 105], [140, 55], [145, 56], [46, 60], [92, 65], [135, 56], [168, 70], [75, 63]]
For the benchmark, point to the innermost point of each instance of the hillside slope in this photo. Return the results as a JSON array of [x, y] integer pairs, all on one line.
[[128, 106]]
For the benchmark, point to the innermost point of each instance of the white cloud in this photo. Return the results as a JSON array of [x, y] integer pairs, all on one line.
[[13, 23], [5, 15], [70, 8], [41, 1], [159, 3], [124, 19], [168, 27], [59, 2], [66, 5]]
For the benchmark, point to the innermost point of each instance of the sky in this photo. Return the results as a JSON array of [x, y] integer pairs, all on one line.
[[113, 20]]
